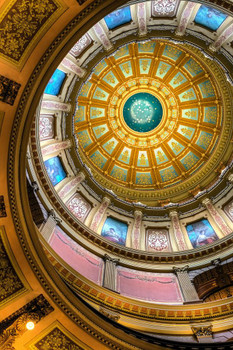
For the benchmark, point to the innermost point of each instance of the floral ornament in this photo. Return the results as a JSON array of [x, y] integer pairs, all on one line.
[[21, 23]]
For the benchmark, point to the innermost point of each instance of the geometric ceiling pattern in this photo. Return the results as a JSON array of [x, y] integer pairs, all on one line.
[[148, 116]]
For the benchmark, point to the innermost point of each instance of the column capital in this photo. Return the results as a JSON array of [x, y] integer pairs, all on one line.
[[230, 178], [182, 269], [110, 259], [206, 201], [173, 213], [35, 186], [137, 213], [52, 214], [106, 200]]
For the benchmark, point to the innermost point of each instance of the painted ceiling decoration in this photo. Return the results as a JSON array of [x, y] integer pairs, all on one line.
[[149, 115]]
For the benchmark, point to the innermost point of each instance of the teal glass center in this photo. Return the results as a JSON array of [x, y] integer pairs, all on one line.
[[142, 112]]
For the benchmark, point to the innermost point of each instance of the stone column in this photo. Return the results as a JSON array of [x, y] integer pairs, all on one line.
[[56, 106], [222, 38], [225, 229], [49, 225], [141, 14], [55, 147], [100, 213], [135, 243], [185, 18], [102, 36], [71, 185], [73, 67], [177, 230], [110, 273], [187, 288]]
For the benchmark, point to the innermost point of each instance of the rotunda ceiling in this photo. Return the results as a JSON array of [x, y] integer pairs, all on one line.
[[149, 116]]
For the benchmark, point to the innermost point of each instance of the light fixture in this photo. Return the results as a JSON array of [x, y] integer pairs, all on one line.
[[30, 325]]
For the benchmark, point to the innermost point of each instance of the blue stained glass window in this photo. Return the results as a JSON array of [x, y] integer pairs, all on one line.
[[54, 85], [55, 170], [209, 17], [118, 17]]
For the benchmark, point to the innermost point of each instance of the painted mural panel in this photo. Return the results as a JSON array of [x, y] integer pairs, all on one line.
[[80, 259], [148, 286], [209, 17], [46, 127], [54, 85], [204, 139], [55, 170], [119, 173], [146, 47], [171, 52], [177, 80], [111, 79], [80, 114], [85, 89], [188, 95], [206, 89], [191, 113], [118, 17], [126, 69], [84, 138], [210, 114], [143, 178], [157, 240], [79, 207], [201, 233], [228, 209], [186, 131], [115, 230], [160, 156], [189, 160], [110, 145], [162, 69], [125, 155], [100, 94], [100, 67], [97, 112], [193, 67], [168, 174], [98, 159], [122, 52]]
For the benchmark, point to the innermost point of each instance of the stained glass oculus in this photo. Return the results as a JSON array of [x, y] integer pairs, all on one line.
[[142, 112]]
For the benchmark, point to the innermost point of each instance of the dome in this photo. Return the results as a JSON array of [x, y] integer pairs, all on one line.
[[120, 176]]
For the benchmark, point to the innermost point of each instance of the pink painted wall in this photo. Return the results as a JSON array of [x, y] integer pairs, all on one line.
[[157, 287], [84, 262]]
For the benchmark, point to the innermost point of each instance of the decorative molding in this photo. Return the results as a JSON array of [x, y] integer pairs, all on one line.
[[8, 88], [15, 325], [110, 314], [10, 283], [57, 337], [102, 36], [185, 18], [141, 15], [202, 332], [164, 8], [56, 106], [22, 24], [2, 207]]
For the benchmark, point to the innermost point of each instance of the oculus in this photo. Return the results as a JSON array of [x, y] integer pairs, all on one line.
[[142, 112]]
